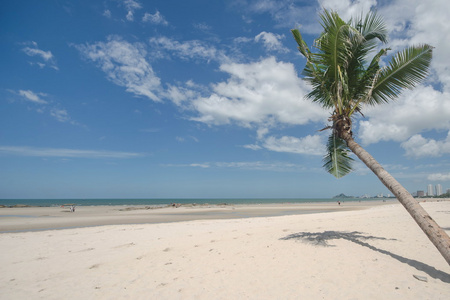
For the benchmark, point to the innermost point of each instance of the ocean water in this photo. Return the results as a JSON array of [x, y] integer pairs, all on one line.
[[162, 202]]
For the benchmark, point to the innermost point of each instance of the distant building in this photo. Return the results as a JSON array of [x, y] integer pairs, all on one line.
[[448, 191], [420, 194], [430, 190], [438, 189]]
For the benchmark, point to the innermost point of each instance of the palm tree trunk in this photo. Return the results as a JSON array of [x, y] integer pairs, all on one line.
[[435, 233]]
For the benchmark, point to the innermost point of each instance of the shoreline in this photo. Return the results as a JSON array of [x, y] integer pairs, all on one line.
[[20, 203], [22, 219]]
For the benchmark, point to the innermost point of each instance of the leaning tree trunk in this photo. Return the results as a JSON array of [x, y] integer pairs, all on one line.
[[435, 233]]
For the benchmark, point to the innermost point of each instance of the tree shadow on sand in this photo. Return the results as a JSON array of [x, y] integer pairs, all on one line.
[[322, 238]]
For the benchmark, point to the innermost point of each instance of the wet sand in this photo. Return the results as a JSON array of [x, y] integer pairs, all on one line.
[[47, 218]]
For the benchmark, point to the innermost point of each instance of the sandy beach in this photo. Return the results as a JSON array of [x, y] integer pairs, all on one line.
[[352, 251]]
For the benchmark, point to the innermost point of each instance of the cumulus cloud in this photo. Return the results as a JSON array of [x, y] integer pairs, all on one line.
[[259, 93], [418, 110], [46, 58], [418, 146], [271, 41], [124, 64], [156, 18]]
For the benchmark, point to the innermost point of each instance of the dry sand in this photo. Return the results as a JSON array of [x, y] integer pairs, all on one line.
[[370, 253]]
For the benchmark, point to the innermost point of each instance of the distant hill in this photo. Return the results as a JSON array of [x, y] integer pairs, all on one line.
[[342, 196]]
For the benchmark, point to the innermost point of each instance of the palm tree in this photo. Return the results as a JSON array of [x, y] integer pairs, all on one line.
[[343, 81]]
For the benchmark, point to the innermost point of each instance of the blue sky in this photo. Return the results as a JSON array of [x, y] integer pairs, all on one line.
[[200, 99]]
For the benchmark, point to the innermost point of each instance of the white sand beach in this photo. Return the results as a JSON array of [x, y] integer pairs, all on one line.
[[370, 253]]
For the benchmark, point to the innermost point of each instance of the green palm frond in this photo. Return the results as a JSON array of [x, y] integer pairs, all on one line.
[[313, 73], [406, 69], [366, 82], [336, 161], [372, 27], [302, 46]]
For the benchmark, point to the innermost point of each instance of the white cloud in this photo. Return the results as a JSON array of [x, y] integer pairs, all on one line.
[[418, 110], [252, 147], [271, 41], [130, 16], [131, 6], [202, 26], [33, 97], [125, 64], [439, 177], [193, 49], [60, 114], [260, 93], [310, 145], [418, 146], [61, 152], [156, 18], [183, 139], [179, 95], [46, 56], [204, 166], [247, 165], [107, 13]]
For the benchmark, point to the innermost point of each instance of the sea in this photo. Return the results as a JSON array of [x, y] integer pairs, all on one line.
[[167, 201]]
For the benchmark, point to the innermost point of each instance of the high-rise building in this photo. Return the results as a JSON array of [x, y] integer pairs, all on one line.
[[420, 194], [430, 190], [438, 189]]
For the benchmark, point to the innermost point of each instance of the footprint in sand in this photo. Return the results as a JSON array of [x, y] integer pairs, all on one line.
[[125, 245], [94, 266], [85, 250], [41, 258]]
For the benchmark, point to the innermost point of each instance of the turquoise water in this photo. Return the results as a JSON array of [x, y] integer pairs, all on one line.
[[157, 202]]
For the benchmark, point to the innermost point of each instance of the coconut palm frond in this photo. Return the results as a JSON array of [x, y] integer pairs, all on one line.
[[372, 27], [302, 46], [406, 69], [335, 44], [336, 161], [366, 82]]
